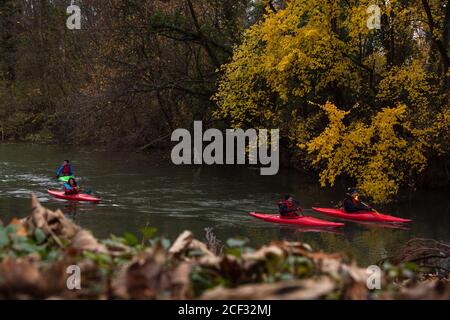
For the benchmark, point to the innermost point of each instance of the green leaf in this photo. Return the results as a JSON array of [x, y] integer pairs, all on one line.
[[90, 255], [16, 239], [148, 232], [411, 266], [196, 253], [11, 229], [104, 259], [248, 250], [165, 243], [237, 252], [117, 239], [286, 277], [236, 243], [25, 247], [39, 235], [52, 256], [112, 243], [131, 239], [4, 240]]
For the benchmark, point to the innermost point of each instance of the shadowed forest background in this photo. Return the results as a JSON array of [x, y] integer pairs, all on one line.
[[367, 105]]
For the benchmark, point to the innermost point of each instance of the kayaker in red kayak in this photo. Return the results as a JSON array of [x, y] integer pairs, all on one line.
[[71, 187], [289, 208], [352, 204], [64, 170]]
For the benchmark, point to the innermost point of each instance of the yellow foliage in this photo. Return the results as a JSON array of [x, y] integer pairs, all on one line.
[[317, 51], [278, 60], [374, 155]]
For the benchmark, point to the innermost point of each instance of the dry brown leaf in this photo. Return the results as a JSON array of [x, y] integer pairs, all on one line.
[[20, 277], [84, 240], [180, 281], [354, 281], [264, 252], [200, 246], [51, 222], [291, 290], [181, 243], [329, 266], [140, 279], [429, 290], [210, 262]]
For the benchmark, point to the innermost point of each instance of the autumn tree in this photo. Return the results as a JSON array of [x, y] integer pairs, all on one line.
[[351, 101], [150, 64]]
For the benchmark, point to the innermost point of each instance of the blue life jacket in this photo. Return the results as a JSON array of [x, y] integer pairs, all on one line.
[[68, 187]]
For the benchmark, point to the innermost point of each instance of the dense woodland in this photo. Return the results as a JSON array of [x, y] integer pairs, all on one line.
[[370, 105], [135, 70]]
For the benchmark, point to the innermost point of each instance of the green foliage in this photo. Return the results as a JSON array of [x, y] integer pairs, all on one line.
[[130, 239], [40, 236], [237, 243], [402, 272], [292, 267], [203, 279], [4, 239], [237, 246], [14, 243], [148, 233]]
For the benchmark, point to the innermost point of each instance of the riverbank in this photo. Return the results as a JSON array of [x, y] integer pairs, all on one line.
[[36, 252]]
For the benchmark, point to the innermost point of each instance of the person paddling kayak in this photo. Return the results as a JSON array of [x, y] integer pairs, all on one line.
[[71, 187], [288, 207], [64, 170], [352, 204]]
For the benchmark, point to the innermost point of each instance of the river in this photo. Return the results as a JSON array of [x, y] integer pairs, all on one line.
[[138, 191]]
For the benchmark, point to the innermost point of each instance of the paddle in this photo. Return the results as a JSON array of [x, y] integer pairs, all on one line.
[[370, 208], [299, 209]]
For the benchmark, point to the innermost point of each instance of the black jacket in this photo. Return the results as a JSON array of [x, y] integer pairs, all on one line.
[[286, 209], [352, 205]]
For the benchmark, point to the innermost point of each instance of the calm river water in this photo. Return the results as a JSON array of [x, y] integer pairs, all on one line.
[[138, 191]]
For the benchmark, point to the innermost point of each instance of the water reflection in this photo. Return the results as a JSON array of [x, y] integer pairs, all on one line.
[[70, 210]]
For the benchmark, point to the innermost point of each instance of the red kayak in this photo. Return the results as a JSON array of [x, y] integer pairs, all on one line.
[[300, 221], [360, 216], [73, 197]]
